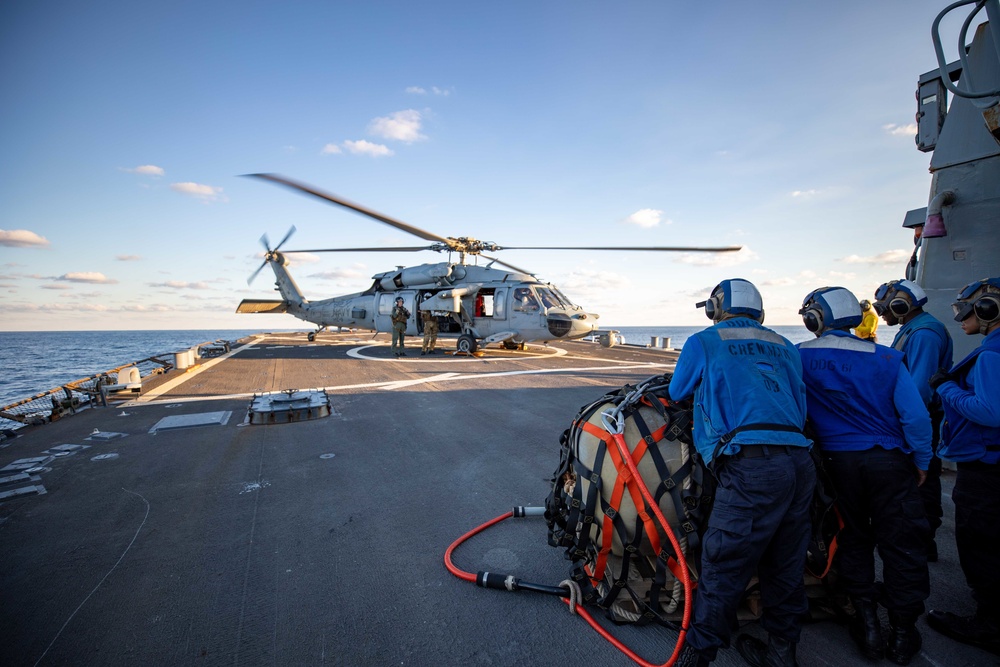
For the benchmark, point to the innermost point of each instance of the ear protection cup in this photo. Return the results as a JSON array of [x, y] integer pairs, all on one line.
[[899, 307], [987, 309], [713, 306], [813, 319]]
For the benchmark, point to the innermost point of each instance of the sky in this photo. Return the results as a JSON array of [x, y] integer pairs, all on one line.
[[784, 127]]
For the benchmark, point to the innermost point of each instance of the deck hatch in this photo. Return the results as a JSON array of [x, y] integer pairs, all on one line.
[[173, 422], [289, 406]]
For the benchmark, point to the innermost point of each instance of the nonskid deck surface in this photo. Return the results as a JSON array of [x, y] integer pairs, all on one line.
[[321, 542]]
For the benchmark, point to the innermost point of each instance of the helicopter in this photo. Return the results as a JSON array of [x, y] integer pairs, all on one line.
[[479, 304]]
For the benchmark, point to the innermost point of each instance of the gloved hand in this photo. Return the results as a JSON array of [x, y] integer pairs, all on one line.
[[939, 379]]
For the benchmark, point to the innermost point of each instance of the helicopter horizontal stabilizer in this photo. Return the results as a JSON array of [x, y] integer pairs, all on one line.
[[262, 306]]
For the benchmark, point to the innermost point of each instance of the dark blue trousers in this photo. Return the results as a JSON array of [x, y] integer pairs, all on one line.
[[977, 531], [759, 525], [878, 500]]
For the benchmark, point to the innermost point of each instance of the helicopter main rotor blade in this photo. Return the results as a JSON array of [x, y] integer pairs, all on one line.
[[358, 208], [733, 248], [508, 265], [381, 249]]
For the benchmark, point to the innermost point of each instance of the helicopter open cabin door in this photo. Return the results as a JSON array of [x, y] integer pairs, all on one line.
[[386, 301]]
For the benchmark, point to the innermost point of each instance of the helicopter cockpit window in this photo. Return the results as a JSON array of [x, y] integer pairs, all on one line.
[[524, 300], [550, 298]]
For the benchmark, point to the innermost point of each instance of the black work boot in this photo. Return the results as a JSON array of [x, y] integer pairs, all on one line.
[[778, 652], [904, 639], [691, 658], [866, 629], [979, 630]]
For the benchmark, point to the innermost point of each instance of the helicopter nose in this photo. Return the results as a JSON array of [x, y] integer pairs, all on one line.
[[562, 325]]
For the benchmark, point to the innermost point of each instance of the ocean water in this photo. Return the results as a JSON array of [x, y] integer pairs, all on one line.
[[33, 362]]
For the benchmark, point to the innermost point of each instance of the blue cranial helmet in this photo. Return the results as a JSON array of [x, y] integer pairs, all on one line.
[[899, 297], [731, 298], [982, 299], [830, 308]]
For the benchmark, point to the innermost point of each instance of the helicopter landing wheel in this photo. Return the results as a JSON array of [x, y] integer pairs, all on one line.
[[311, 336], [466, 343]]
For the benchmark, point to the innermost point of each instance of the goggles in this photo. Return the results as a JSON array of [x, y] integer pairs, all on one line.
[[963, 309]]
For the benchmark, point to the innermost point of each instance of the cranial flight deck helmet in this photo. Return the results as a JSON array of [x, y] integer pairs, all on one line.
[[899, 297], [830, 308], [731, 298], [982, 299]]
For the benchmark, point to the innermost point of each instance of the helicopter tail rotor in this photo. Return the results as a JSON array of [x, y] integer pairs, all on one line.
[[271, 254]]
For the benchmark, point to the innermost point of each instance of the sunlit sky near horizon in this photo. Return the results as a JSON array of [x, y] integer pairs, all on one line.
[[785, 127]]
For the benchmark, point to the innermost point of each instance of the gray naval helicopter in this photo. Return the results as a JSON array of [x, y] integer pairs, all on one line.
[[960, 225], [479, 304]]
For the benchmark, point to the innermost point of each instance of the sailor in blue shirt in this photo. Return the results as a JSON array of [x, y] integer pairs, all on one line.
[[749, 412], [970, 393], [927, 348], [875, 437]]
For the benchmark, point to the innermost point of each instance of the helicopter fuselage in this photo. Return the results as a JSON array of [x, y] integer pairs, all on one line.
[[479, 304]]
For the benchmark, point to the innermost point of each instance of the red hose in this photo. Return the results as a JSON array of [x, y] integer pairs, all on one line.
[[651, 502]]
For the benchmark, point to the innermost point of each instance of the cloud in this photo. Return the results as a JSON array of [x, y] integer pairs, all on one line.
[[178, 284], [420, 90], [803, 194], [91, 277], [147, 170], [197, 190], [127, 258], [400, 126], [745, 254], [888, 257], [901, 130], [331, 149], [22, 238], [780, 282], [645, 218], [363, 147], [339, 274], [59, 287]]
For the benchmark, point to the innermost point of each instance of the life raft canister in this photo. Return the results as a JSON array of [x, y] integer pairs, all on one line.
[[622, 561]]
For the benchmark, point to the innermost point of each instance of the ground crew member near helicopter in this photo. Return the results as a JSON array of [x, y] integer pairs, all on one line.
[[874, 433], [399, 316], [970, 393], [430, 330], [927, 348], [750, 409], [869, 322]]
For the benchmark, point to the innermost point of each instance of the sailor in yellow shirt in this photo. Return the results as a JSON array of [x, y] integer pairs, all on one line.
[[869, 322]]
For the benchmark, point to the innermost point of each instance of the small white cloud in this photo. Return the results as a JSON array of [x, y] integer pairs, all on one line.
[[178, 284], [779, 282], [92, 277], [363, 147], [645, 218], [22, 238], [331, 149], [887, 257], [57, 287], [197, 190], [400, 126], [803, 194], [339, 274], [148, 170], [416, 90], [127, 258], [443, 92], [901, 130]]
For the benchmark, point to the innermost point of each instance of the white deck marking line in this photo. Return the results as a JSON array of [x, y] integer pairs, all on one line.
[[357, 354], [397, 384], [176, 382]]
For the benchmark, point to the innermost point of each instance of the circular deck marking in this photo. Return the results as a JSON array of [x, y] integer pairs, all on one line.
[[105, 457], [327, 456], [447, 358]]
